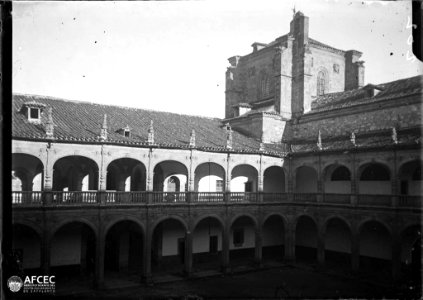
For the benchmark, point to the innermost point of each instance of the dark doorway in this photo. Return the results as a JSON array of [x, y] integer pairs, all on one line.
[[112, 255], [213, 244]]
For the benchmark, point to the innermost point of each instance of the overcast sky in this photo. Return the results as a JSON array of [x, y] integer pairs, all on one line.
[[172, 55]]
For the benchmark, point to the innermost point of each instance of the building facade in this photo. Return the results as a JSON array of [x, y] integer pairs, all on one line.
[[308, 164]]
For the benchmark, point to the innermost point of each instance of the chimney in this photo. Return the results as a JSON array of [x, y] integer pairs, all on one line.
[[354, 70]]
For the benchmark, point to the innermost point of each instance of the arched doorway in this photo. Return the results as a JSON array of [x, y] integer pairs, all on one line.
[[242, 242], [27, 178], [207, 244], [274, 180], [306, 180], [306, 240], [375, 248], [171, 178], [73, 250], [126, 174], [273, 232], [338, 244], [26, 249], [374, 179], [168, 247], [123, 249]]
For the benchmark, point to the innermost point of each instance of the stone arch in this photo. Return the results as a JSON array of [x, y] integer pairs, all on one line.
[[69, 172], [68, 221], [410, 177], [240, 215], [73, 248], [202, 217], [166, 168], [375, 245], [374, 178], [119, 169], [121, 219], [340, 217], [274, 232], [26, 245], [170, 217], [306, 232], [274, 178], [306, 178], [244, 174], [26, 167], [124, 243], [214, 172], [33, 225]]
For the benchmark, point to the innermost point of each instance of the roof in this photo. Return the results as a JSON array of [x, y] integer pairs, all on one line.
[[321, 45], [76, 121], [395, 89]]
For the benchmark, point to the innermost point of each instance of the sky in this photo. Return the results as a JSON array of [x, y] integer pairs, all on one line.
[[172, 55]]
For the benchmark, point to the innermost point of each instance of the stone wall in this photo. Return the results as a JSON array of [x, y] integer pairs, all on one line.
[[359, 120]]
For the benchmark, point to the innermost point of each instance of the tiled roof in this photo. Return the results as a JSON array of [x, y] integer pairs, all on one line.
[[394, 89], [81, 122], [380, 139]]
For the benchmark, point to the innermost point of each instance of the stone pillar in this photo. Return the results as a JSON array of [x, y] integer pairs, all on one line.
[[188, 254], [99, 261], [146, 264], [258, 247], [225, 249], [48, 170]]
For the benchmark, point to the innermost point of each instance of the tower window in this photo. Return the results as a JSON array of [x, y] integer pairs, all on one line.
[[321, 83]]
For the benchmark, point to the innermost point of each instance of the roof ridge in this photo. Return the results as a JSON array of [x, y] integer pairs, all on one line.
[[112, 105]]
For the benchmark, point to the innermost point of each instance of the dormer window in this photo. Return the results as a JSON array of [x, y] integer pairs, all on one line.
[[32, 111], [125, 131]]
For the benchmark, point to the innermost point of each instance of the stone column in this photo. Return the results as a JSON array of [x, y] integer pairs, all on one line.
[[225, 249], [146, 264], [188, 254], [354, 182], [258, 247]]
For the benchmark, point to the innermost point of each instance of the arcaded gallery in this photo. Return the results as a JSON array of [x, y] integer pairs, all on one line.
[[309, 166]]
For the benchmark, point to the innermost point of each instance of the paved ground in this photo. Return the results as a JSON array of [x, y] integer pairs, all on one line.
[[281, 283]]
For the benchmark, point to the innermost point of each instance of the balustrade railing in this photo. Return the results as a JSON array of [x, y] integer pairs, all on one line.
[[337, 198], [410, 201], [374, 200], [243, 197], [275, 197], [305, 197], [207, 197], [142, 197], [27, 198]]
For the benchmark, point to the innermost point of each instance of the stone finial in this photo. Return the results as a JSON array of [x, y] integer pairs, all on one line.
[[192, 139], [319, 141], [103, 132], [352, 139], [49, 124], [150, 140], [394, 135], [228, 136], [261, 149]]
